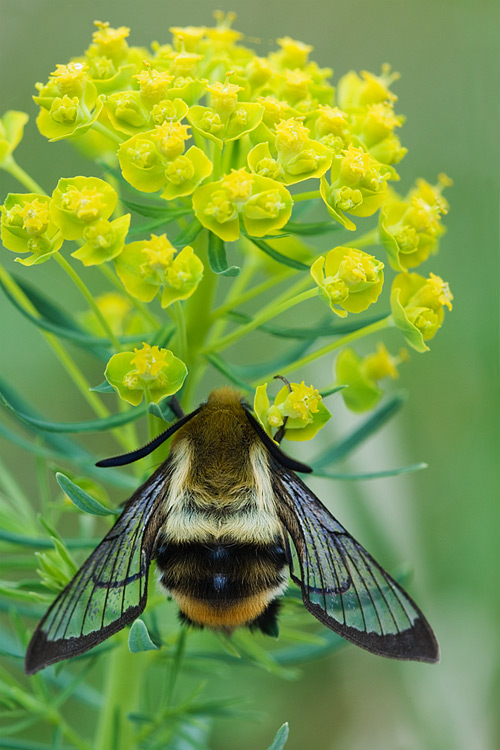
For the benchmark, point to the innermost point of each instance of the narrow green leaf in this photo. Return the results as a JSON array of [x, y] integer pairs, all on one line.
[[103, 387], [158, 211], [63, 445], [278, 257], [92, 425], [371, 474], [163, 335], [42, 543], [149, 226], [12, 592], [72, 333], [188, 235], [329, 391], [12, 744], [280, 739], [217, 259], [256, 371], [139, 638], [313, 228], [324, 328], [227, 370], [85, 461], [82, 499], [303, 652], [45, 306], [359, 435]]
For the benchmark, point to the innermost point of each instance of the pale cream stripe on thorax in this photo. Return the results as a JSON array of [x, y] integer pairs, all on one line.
[[254, 519]]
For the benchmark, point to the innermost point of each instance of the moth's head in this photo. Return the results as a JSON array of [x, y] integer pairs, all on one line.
[[224, 398]]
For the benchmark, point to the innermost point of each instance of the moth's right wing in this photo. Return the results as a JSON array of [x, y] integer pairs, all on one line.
[[110, 589], [342, 585]]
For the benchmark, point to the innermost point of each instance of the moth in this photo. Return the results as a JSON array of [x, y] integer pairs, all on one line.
[[226, 518]]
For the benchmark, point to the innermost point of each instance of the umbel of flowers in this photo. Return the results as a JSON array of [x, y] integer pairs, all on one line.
[[200, 142]]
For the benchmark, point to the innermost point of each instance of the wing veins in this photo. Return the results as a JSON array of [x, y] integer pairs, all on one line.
[[368, 592]]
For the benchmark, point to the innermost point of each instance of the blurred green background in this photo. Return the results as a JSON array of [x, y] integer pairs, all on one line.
[[444, 521]]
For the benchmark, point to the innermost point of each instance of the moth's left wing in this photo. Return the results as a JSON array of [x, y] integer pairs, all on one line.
[[342, 585], [110, 589]]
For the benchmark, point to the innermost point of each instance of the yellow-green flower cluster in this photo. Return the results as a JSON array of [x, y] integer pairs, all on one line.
[[149, 372], [349, 280], [79, 209], [361, 375], [187, 115], [417, 306], [410, 227], [148, 265], [297, 407]]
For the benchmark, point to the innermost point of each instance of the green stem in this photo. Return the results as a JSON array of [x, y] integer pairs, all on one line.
[[233, 302], [180, 324], [175, 668], [13, 168], [176, 665], [369, 238], [309, 195], [103, 130], [233, 298], [217, 162], [260, 319], [122, 690], [85, 291], [198, 323], [303, 361]]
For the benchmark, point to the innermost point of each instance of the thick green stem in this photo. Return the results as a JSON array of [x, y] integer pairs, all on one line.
[[13, 168], [122, 690], [337, 344], [264, 317], [198, 323]]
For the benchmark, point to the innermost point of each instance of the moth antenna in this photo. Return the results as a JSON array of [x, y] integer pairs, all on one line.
[[281, 432], [129, 458], [286, 382]]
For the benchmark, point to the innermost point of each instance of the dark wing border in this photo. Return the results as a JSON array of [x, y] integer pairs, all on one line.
[[138, 525], [310, 524]]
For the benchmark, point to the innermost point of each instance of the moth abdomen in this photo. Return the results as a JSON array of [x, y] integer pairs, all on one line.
[[222, 585]]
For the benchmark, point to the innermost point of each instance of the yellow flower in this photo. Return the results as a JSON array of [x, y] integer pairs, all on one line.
[[361, 375], [350, 280], [417, 306], [299, 404], [150, 370]]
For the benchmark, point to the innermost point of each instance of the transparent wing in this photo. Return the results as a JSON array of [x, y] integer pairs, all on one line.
[[110, 589], [342, 585]]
